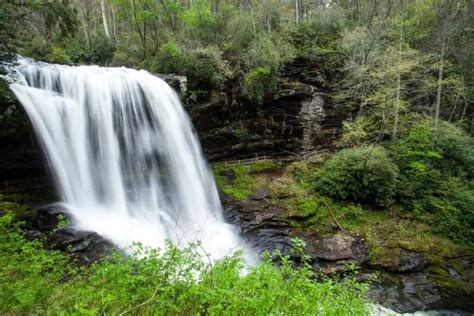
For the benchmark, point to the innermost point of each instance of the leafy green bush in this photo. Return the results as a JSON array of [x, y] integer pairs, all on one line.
[[59, 56], [364, 174], [128, 50], [259, 83], [167, 281], [443, 147], [36, 48], [29, 275], [177, 281], [320, 33], [102, 50], [203, 66], [269, 52], [449, 209], [436, 164], [169, 59]]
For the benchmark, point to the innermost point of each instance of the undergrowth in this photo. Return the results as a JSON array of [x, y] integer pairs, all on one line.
[[165, 281]]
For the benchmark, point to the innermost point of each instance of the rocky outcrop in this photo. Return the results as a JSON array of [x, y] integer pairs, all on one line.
[[407, 283], [44, 223], [20, 154], [269, 227], [300, 116], [86, 246]]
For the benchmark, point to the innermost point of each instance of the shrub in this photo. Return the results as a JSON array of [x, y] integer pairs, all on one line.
[[204, 66], [102, 50], [320, 33], [169, 59], [436, 168], [176, 281], [128, 50], [36, 48], [59, 56], [29, 274], [364, 174], [165, 281], [269, 52], [443, 147], [259, 83]]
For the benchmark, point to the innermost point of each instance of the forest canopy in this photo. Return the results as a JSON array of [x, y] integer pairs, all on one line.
[[397, 58]]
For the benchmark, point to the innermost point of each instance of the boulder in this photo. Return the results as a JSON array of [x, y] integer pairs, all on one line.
[[46, 218], [263, 192], [411, 262], [229, 174], [340, 247], [86, 246]]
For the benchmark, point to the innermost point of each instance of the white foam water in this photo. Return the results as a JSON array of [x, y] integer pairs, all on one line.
[[124, 155]]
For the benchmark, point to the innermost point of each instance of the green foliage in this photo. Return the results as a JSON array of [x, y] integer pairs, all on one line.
[[29, 274], [204, 67], [169, 59], [201, 21], [242, 134], [102, 50], [259, 83], [241, 187], [165, 281], [320, 33], [9, 109], [58, 56], [176, 281], [269, 52], [128, 52], [36, 48], [364, 174], [436, 169], [263, 165]]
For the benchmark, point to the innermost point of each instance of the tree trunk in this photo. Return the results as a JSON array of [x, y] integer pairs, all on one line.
[[104, 18], [440, 82], [297, 12], [399, 88]]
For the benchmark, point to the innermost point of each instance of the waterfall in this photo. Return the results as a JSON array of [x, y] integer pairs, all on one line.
[[124, 155]]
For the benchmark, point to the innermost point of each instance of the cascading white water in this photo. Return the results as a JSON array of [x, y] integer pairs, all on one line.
[[124, 155]]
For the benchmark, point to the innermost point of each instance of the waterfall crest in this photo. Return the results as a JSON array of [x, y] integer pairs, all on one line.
[[124, 155]]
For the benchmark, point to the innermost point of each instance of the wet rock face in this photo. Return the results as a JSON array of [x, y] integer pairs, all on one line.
[[268, 227], [86, 246], [410, 292], [299, 116], [411, 262], [260, 224], [341, 247], [20, 154]]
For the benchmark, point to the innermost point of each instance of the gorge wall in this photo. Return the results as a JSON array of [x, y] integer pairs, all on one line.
[[299, 116]]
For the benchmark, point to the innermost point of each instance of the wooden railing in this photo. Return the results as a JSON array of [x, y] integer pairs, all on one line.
[[252, 160], [32, 184], [302, 156]]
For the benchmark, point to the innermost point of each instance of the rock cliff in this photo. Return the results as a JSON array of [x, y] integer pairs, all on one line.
[[300, 116]]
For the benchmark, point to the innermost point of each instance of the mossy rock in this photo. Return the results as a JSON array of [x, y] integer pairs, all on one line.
[[263, 166]]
